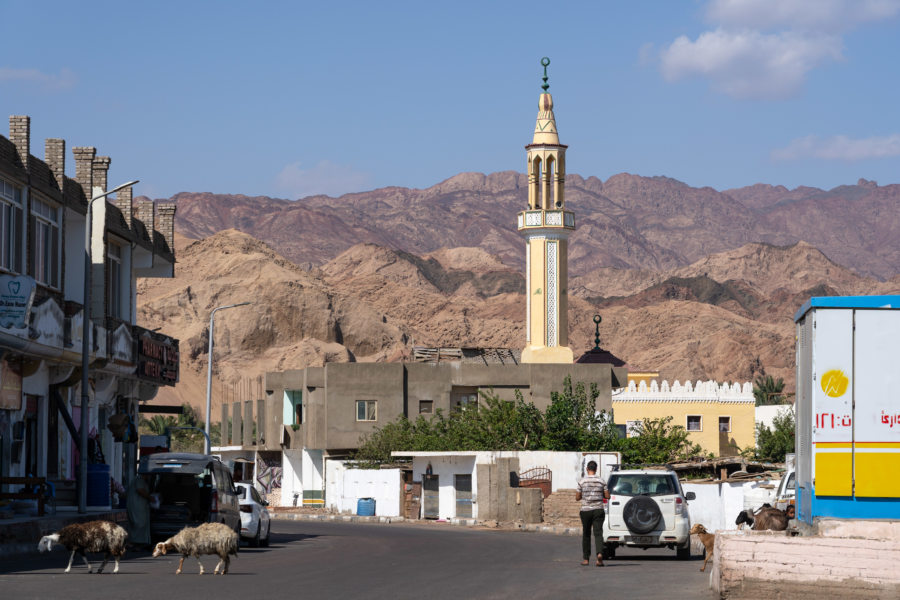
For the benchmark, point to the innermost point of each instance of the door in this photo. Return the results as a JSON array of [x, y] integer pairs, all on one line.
[[412, 499], [463, 485], [430, 493]]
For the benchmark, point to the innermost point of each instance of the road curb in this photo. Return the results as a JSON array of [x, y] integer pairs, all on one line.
[[528, 527]]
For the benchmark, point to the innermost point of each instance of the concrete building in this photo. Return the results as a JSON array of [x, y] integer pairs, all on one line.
[[42, 274]]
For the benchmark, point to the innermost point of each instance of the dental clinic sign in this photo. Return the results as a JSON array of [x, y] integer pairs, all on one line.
[[16, 297]]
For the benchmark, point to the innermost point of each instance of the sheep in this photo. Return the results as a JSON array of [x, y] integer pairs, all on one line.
[[208, 538], [766, 517], [708, 540], [93, 536]]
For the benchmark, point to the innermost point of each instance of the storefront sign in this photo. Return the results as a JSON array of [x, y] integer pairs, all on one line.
[[10, 385], [157, 360], [49, 322], [16, 296]]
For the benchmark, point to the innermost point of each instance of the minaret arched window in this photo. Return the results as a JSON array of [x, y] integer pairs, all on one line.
[[537, 172], [550, 186]]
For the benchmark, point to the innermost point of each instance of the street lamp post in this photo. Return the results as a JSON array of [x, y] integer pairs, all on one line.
[[209, 363], [86, 331]]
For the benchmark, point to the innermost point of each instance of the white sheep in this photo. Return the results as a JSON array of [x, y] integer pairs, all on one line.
[[93, 536], [208, 538]]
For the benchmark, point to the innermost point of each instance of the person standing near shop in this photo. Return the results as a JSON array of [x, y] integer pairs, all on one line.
[[137, 504], [591, 491]]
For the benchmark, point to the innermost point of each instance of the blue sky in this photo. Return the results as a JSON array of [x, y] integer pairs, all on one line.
[[296, 98]]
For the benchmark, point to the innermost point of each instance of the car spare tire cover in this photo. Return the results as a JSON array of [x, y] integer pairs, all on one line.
[[641, 514]]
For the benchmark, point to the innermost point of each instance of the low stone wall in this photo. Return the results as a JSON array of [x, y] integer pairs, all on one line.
[[846, 560]]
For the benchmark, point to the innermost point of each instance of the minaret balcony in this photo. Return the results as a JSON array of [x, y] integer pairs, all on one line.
[[544, 219]]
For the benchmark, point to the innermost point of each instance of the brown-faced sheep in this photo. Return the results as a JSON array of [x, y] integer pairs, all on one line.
[[766, 518], [93, 536], [708, 540], [209, 538]]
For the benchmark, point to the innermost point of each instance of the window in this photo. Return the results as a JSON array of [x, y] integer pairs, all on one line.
[[461, 401], [293, 407], [114, 270], [694, 423], [633, 428], [426, 407], [724, 424], [46, 242], [366, 410], [10, 227]]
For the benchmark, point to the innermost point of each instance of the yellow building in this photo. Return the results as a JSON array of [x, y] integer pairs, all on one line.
[[546, 226], [720, 418]]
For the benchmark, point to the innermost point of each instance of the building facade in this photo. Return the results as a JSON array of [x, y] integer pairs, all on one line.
[[720, 418], [42, 274]]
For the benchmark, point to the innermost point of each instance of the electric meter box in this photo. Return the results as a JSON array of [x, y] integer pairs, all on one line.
[[848, 408]]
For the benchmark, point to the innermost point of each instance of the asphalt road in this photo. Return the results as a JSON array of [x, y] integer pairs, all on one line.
[[370, 561]]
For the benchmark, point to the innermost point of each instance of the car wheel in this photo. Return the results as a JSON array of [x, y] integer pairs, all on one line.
[[683, 552], [265, 540], [641, 514], [254, 543]]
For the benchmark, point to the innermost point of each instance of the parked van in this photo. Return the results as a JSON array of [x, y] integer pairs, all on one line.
[[191, 489]]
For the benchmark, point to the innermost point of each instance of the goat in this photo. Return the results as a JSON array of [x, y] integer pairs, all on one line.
[[208, 538], [708, 540], [93, 536], [766, 518]]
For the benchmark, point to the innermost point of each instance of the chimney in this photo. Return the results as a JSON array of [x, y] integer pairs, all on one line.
[[99, 170], [145, 215], [124, 203], [20, 136], [55, 157], [166, 223], [84, 156]]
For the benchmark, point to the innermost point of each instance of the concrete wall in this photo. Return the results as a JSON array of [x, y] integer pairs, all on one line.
[[847, 560], [291, 477], [765, 415], [717, 504], [345, 384], [345, 486]]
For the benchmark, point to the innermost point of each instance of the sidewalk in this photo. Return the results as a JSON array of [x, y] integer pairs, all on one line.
[[21, 535], [530, 527]]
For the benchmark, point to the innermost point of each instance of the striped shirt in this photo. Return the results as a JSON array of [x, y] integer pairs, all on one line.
[[591, 489]]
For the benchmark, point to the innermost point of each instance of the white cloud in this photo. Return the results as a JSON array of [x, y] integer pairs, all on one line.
[[811, 15], [749, 64], [766, 48], [50, 82], [325, 177], [839, 147]]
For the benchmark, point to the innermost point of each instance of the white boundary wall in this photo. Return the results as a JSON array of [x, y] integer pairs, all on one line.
[[345, 486], [717, 504], [565, 467]]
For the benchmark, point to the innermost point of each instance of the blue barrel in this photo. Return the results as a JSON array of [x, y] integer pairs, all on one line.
[[365, 507], [98, 485]]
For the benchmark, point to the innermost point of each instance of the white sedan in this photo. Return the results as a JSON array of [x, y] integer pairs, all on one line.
[[255, 523]]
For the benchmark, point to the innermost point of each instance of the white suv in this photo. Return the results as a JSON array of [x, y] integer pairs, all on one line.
[[647, 509]]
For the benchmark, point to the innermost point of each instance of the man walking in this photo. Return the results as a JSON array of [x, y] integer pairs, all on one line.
[[591, 491]]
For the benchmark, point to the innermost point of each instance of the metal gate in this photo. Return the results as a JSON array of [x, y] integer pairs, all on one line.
[[430, 493], [463, 485]]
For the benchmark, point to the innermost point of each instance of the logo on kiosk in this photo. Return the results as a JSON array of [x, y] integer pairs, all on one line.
[[834, 383]]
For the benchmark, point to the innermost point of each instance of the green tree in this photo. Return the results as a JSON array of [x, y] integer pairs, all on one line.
[[768, 390], [659, 442], [773, 444]]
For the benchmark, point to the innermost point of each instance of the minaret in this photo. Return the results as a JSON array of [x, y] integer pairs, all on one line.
[[546, 225]]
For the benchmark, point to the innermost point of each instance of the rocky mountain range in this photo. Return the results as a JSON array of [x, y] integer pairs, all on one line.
[[694, 283]]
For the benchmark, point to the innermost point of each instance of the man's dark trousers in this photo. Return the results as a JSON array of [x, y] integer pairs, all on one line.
[[591, 519]]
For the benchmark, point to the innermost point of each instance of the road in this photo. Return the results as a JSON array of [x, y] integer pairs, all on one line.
[[372, 561]]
